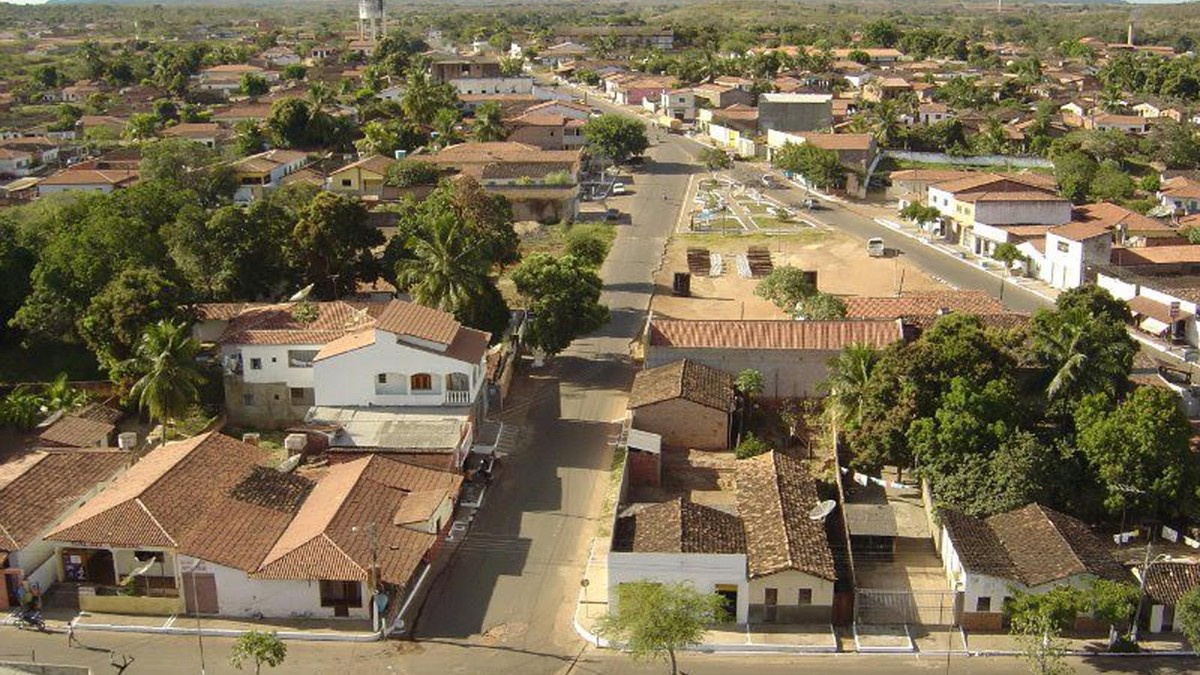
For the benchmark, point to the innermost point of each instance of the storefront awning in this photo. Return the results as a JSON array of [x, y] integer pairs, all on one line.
[[1153, 326], [1160, 312]]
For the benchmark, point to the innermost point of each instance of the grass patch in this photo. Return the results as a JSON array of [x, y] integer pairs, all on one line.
[[808, 235], [613, 495], [270, 440]]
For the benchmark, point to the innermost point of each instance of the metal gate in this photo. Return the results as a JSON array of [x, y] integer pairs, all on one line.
[[927, 608]]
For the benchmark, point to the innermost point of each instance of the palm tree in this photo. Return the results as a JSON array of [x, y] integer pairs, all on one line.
[[847, 383], [885, 122], [166, 355], [445, 123], [446, 269], [488, 123], [1081, 353], [60, 395], [320, 96]]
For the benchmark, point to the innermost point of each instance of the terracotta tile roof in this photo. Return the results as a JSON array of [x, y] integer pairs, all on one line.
[[98, 412], [76, 176], [1010, 196], [922, 304], [978, 181], [328, 538], [679, 526], [1033, 545], [347, 343], [77, 432], [425, 323], [1112, 216], [767, 334], [1167, 581], [160, 499], [775, 494], [839, 141], [1081, 231], [194, 130], [374, 163], [1154, 309], [277, 324], [690, 380], [929, 175], [220, 311], [37, 490], [1156, 255], [1181, 187]]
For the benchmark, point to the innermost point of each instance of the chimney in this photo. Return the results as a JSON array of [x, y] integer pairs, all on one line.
[[251, 438]]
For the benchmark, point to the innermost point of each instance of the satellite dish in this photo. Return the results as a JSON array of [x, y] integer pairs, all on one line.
[[302, 294], [822, 510]]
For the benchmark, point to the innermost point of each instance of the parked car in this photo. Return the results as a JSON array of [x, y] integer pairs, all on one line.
[[618, 188], [612, 214], [875, 247]]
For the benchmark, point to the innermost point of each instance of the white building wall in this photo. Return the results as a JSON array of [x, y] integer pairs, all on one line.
[[703, 570], [349, 379], [275, 367], [240, 595], [1120, 290], [493, 85], [1187, 311]]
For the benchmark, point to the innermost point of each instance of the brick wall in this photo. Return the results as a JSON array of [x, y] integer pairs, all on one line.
[[685, 424], [645, 468], [983, 621]]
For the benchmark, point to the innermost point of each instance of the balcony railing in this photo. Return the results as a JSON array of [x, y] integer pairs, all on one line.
[[458, 397]]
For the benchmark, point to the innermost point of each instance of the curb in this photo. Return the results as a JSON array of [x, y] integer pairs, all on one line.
[[307, 636]]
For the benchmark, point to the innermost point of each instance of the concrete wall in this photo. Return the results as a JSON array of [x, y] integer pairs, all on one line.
[[794, 116], [271, 407], [685, 424], [131, 604], [493, 85], [1023, 212], [705, 571], [240, 595], [786, 373], [788, 585], [275, 366]]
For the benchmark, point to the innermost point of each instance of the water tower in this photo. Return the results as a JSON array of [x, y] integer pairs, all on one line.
[[370, 19]]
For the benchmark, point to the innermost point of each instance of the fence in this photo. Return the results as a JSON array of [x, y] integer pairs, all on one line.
[[977, 160], [894, 607]]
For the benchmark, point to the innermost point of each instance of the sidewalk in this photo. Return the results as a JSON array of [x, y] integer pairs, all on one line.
[[317, 630]]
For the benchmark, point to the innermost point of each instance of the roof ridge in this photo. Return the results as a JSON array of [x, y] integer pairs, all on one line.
[[140, 503], [1045, 513], [777, 498]]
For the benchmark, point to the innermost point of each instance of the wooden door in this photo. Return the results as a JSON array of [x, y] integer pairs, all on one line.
[[200, 593]]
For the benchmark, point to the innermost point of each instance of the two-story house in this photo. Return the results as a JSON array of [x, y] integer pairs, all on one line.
[[265, 171], [986, 210]]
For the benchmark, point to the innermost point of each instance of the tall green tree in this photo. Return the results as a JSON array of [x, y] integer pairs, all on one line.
[[1039, 620], [654, 621], [489, 123], [1187, 616], [818, 166], [616, 137], [849, 374], [1141, 449], [121, 311], [785, 287], [563, 298], [332, 244], [170, 378], [1082, 353]]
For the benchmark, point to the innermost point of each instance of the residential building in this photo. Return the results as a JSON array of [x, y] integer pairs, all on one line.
[[858, 153], [1032, 549], [932, 113], [885, 88], [15, 163], [1166, 582], [687, 403], [281, 360], [226, 79], [1161, 306], [793, 356], [1070, 249], [208, 134], [986, 210], [734, 127], [722, 96], [203, 526], [364, 178], [1134, 124], [678, 104], [545, 193], [795, 112], [76, 179], [761, 552], [1182, 194], [629, 36], [547, 131], [37, 491], [265, 171]]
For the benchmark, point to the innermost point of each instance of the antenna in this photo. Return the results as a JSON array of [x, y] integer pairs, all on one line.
[[821, 511], [302, 294]]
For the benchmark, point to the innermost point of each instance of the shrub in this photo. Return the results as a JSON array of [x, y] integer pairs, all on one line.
[[588, 244], [751, 446]]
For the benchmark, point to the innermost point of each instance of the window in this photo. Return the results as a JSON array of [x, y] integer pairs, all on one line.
[[771, 596], [422, 382], [247, 399], [804, 597], [301, 358], [300, 395], [346, 182], [381, 378], [343, 593], [983, 604], [147, 556], [256, 364], [1063, 247]]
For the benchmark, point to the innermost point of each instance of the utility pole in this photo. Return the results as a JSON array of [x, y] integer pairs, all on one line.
[[373, 577], [196, 609]]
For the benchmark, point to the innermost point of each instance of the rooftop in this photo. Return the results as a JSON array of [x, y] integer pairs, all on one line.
[[770, 334], [678, 526], [775, 495], [686, 379]]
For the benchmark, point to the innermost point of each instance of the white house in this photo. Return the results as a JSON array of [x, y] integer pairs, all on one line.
[[678, 104], [226, 79], [14, 162], [769, 559], [1165, 307], [1070, 249], [1032, 549], [203, 526], [265, 171], [1167, 582], [493, 85], [37, 491], [280, 360]]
